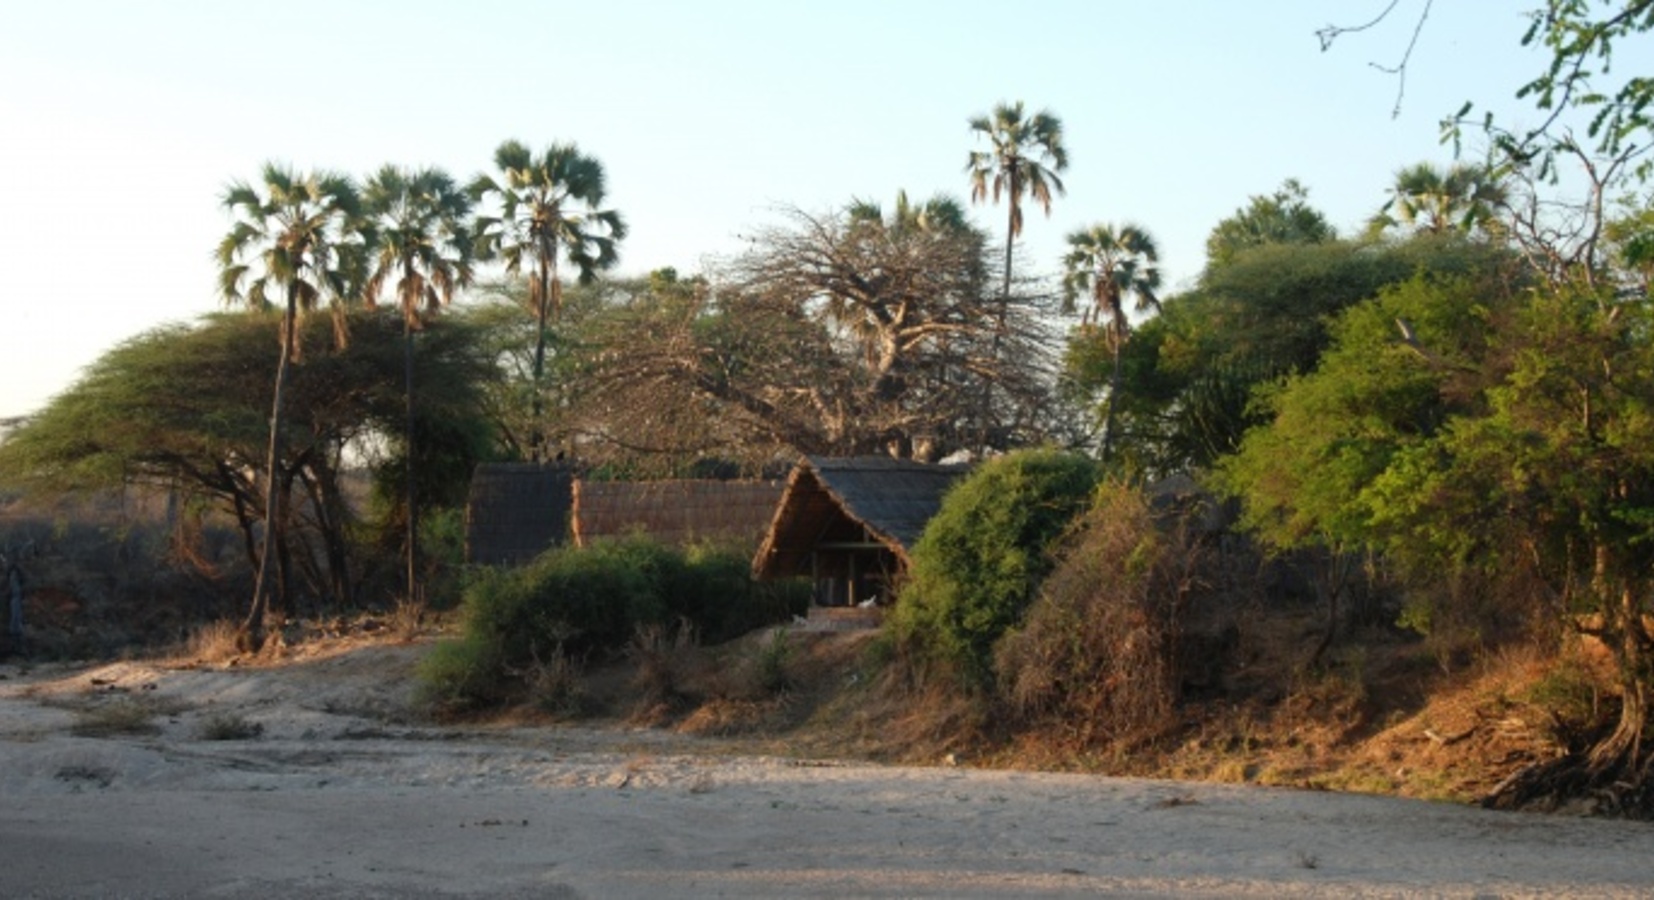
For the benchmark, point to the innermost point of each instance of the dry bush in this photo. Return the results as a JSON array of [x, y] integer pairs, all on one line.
[[122, 717], [228, 727], [665, 660], [1099, 651], [407, 618], [557, 686], [215, 641]]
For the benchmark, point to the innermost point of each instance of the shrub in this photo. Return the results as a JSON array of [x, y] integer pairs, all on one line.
[[228, 727], [980, 560], [580, 601], [718, 596], [467, 673], [769, 666], [122, 717], [1099, 650]]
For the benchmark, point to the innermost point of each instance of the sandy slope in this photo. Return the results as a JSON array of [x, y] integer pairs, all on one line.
[[344, 794]]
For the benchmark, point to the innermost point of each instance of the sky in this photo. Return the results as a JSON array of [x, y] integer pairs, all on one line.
[[122, 123]]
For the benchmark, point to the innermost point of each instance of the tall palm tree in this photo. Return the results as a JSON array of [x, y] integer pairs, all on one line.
[[421, 238], [1026, 156], [1111, 263], [548, 208], [298, 241], [1427, 198]]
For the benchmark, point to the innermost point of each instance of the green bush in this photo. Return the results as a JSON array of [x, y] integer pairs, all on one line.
[[719, 598], [576, 602], [980, 561]]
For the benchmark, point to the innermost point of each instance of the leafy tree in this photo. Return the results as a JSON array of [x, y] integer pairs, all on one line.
[[548, 210], [1630, 237], [981, 559], [421, 239], [1554, 476], [1189, 374], [1581, 38], [1399, 367], [1026, 158], [295, 240], [1110, 264], [1284, 217], [177, 409], [1427, 198]]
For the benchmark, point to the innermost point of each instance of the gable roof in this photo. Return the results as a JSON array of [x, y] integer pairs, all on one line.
[[892, 499], [674, 512]]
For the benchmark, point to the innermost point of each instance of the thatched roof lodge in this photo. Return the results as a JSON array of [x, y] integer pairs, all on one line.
[[848, 524], [674, 512], [516, 511]]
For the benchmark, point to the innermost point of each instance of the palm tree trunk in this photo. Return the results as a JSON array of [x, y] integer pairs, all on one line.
[[999, 321], [408, 450], [536, 437], [253, 629], [1113, 400], [540, 305]]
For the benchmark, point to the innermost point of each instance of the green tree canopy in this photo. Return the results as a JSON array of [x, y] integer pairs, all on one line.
[[1284, 217], [1188, 375], [177, 408]]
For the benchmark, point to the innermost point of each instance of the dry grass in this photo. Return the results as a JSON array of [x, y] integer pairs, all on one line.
[[214, 642], [125, 716], [407, 618]]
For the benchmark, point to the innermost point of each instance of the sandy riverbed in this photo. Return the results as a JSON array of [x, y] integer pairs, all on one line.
[[345, 794]]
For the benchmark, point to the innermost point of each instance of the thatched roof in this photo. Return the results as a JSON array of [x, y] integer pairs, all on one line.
[[516, 511], [674, 512], [892, 499]]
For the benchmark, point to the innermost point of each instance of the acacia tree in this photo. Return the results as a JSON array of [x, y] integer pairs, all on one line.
[[294, 241], [548, 209], [169, 409], [422, 240], [1111, 263]]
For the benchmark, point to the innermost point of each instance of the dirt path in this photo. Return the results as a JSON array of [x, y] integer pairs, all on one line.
[[344, 794]]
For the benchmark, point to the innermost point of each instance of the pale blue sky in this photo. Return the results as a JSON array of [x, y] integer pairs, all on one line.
[[121, 122]]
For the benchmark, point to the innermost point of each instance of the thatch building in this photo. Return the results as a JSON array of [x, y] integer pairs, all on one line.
[[516, 511], [674, 512], [848, 524]]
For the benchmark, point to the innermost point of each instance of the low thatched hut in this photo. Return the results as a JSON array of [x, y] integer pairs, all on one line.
[[674, 512], [516, 511], [848, 524]]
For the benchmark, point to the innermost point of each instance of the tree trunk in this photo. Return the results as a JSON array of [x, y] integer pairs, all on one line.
[[413, 513], [546, 276], [322, 486], [1611, 771], [252, 630], [1113, 398]]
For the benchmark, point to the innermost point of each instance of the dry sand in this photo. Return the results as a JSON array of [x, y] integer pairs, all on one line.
[[344, 794]]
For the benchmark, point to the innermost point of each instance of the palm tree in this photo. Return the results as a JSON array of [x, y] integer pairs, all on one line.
[[548, 206], [1026, 157], [421, 238], [1429, 199], [298, 240], [1111, 263], [940, 215]]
